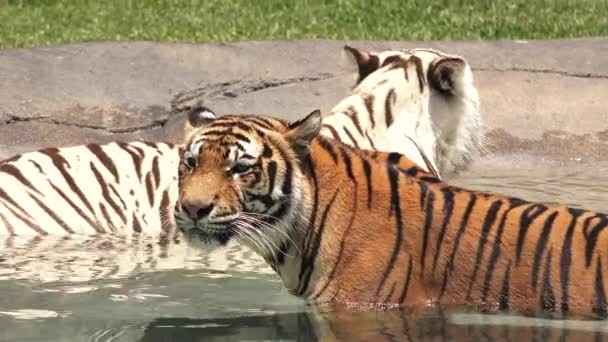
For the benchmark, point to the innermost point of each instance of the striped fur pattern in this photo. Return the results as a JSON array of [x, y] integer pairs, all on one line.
[[90, 189], [124, 187], [350, 226], [421, 103]]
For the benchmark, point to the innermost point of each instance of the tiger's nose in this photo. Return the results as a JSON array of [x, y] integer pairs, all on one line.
[[197, 211]]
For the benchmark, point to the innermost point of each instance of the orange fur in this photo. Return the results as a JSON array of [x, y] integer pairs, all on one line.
[[371, 227]]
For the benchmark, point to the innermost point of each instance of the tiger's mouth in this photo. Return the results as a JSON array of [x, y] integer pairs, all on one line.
[[208, 236], [208, 233]]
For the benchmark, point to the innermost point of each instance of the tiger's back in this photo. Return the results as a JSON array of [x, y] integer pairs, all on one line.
[[117, 187], [443, 244], [353, 226]]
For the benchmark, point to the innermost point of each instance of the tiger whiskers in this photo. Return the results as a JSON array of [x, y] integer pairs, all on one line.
[[250, 218], [258, 239]]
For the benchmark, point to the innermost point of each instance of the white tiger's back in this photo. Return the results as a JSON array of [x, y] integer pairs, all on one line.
[[421, 103], [90, 189]]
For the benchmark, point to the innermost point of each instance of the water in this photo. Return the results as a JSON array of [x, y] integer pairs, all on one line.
[[76, 290]]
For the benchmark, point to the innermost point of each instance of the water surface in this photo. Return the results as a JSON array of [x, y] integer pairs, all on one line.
[[81, 290]]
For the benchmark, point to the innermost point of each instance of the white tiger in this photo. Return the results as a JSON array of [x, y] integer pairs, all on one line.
[[421, 103]]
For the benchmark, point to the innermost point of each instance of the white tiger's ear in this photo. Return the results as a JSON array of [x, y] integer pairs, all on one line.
[[198, 117], [445, 73], [301, 132], [365, 62]]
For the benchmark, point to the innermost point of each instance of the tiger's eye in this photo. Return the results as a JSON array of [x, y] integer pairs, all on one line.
[[190, 160], [240, 168]]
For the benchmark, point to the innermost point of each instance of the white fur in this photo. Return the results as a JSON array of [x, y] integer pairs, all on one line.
[[447, 129]]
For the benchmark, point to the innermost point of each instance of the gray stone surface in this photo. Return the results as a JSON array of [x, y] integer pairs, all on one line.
[[539, 98]]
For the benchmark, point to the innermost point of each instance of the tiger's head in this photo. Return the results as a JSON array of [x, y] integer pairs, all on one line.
[[417, 85], [242, 172]]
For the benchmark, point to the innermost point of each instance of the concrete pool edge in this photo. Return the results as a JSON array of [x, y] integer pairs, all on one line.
[[539, 98]]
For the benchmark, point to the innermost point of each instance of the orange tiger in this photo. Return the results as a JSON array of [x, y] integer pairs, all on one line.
[[350, 226]]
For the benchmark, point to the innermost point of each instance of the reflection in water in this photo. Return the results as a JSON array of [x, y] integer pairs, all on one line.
[[113, 289], [378, 326]]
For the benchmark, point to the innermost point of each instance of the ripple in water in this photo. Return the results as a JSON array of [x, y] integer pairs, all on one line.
[[111, 289]]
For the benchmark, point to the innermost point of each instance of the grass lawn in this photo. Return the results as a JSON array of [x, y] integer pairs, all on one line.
[[45, 22]]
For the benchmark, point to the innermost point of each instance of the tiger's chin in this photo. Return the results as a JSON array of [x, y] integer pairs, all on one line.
[[207, 240]]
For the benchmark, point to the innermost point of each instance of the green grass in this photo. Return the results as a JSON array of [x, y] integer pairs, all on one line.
[[40, 22]]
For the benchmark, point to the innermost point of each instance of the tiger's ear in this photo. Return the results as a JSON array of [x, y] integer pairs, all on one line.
[[366, 63], [198, 117], [444, 74], [301, 132]]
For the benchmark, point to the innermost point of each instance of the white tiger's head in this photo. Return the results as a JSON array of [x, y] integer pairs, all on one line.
[[422, 103]]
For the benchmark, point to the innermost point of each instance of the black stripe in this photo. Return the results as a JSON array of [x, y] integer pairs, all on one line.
[[419, 72], [350, 136], [566, 260], [540, 248], [104, 191], [106, 216], [461, 229], [62, 164], [30, 222], [241, 137], [448, 209], [135, 157], [348, 164], [483, 239], [503, 302], [7, 225], [278, 215], [390, 293], [328, 147], [10, 200], [311, 227], [76, 208], [340, 251], [115, 192], [281, 253], [15, 172], [11, 159], [369, 106], [166, 220], [408, 277], [156, 171], [424, 190], [354, 116], [286, 188], [371, 142], [367, 169], [53, 215], [526, 220], [429, 210], [315, 245], [393, 59], [149, 189], [262, 122], [389, 102], [107, 162], [272, 175], [496, 248], [600, 306], [334, 133], [267, 153], [393, 177], [37, 166], [229, 125], [592, 234], [547, 297], [136, 224]]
